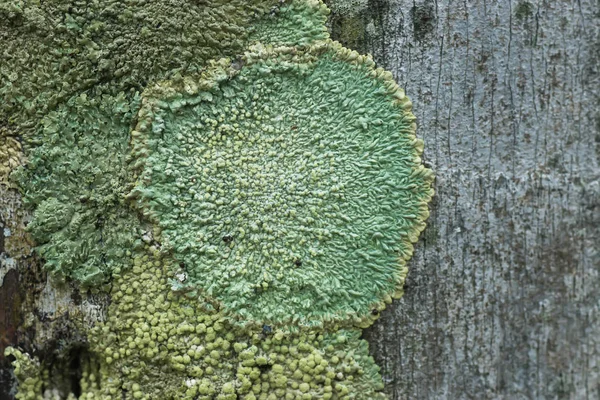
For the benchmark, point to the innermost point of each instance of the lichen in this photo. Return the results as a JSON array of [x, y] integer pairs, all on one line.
[[15, 243], [298, 22], [78, 150], [291, 190], [30, 373], [11, 154], [76, 180], [246, 214], [157, 344], [55, 49]]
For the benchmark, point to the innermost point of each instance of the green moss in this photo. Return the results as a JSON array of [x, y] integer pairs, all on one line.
[[291, 190], [54, 49], [299, 22], [157, 344]]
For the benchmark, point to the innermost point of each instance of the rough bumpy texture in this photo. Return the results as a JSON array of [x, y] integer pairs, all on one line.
[[11, 155], [348, 8], [76, 179], [54, 49], [291, 190], [29, 372], [285, 186], [299, 22], [77, 172], [157, 344]]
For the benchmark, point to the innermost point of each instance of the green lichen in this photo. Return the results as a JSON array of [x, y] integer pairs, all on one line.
[[299, 22], [54, 49], [291, 190], [78, 151], [284, 184], [76, 179], [157, 344]]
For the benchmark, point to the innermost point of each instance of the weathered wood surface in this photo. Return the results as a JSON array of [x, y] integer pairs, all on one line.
[[503, 296]]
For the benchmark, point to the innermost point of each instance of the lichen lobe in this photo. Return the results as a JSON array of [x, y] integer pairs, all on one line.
[[292, 189]]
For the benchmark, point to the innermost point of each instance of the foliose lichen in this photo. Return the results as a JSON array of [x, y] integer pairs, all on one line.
[[291, 190], [76, 179], [297, 22], [52, 50], [248, 213], [78, 150]]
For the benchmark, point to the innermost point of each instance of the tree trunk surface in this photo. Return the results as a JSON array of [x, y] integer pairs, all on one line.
[[502, 299], [503, 295]]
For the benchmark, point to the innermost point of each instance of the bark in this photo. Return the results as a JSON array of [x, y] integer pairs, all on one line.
[[503, 295], [503, 292]]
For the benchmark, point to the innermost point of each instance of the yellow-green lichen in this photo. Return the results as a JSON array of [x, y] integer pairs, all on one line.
[[292, 190], [285, 187], [14, 240], [11, 154], [157, 344], [54, 49], [30, 374]]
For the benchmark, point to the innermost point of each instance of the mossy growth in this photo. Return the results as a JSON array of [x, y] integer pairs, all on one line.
[[298, 22], [54, 49], [76, 179], [291, 190], [157, 344]]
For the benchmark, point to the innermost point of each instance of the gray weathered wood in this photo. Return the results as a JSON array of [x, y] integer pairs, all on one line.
[[503, 295]]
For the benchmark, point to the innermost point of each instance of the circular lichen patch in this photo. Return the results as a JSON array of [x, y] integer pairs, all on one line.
[[290, 189]]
